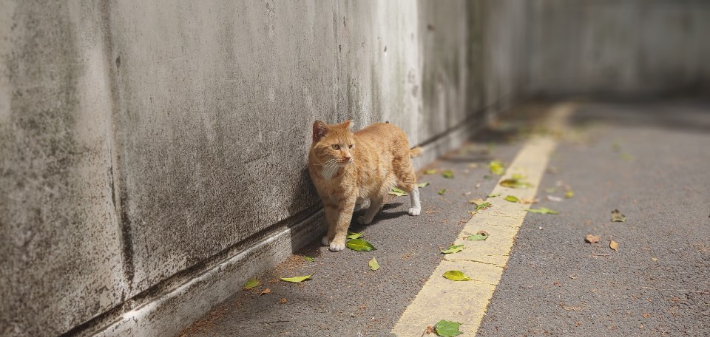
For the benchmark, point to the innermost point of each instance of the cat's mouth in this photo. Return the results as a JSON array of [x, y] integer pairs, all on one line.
[[344, 162]]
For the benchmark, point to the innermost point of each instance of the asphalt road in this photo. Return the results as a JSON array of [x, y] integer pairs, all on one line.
[[649, 160]]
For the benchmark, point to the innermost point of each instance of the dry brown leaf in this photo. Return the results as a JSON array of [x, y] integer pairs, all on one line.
[[265, 291], [645, 315], [429, 330], [476, 201], [614, 245], [592, 238], [528, 201], [654, 259], [283, 301], [570, 308]]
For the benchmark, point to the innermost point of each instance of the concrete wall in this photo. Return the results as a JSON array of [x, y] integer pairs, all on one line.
[[618, 47], [144, 145]]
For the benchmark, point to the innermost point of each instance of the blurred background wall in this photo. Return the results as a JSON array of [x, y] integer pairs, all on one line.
[[153, 154], [630, 47]]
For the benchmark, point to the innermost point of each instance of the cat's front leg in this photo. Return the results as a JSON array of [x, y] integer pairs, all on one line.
[[344, 215], [331, 219]]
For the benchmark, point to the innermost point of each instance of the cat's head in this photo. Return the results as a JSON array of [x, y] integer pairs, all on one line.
[[333, 143]]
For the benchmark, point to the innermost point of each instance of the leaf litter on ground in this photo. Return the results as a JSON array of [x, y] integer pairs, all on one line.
[[480, 204], [431, 171], [614, 245], [448, 174], [398, 192], [453, 249], [423, 184], [308, 258], [456, 275], [441, 191], [512, 198], [360, 245], [296, 279], [592, 238], [515, 183], [373, 264], [616, 216], [445, 328], [353, 235], [251, 284], [542, 210], [496, 167], [480, 236]]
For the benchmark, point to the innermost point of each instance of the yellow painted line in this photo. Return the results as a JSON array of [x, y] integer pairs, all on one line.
[[483, 261]]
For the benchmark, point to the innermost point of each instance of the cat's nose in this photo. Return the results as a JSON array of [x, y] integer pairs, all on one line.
[[347, 157]]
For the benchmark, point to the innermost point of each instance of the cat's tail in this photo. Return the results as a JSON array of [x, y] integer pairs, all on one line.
[[415, 151]]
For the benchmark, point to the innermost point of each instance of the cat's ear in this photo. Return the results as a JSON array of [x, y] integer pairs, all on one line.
[[346, 125], [319, 130]]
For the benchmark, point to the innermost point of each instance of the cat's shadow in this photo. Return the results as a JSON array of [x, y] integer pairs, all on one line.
[[381, 215]]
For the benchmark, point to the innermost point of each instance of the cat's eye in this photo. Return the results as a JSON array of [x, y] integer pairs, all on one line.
[[336, 146]]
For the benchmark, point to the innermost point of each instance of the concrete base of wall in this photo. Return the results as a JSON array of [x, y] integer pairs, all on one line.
[[168, 312]]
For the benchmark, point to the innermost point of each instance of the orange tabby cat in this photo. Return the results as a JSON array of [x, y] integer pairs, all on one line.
[[348, 168]]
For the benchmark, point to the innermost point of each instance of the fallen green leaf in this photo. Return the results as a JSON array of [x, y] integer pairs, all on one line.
[[515, 183], [542, 210], [453, 249], [569, 194], [616, 216], [512, 198], [296, 279], [480, 236], [423, 184], [496, 167], [448, 174], [373, 264], [483, 205], [398, 192], [308, 258], [445, 328], [353, 235], [456, 275], [551, 190], [251, 284], [432, 171], [442, 191], [616, 146], [494, 195], [360, 245]]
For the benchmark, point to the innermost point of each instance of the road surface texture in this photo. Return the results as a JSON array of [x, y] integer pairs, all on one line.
[[649, 160]]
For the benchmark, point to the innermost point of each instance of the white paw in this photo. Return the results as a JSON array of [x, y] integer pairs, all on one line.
[[363, 221], [415, 211], [365, 204], [336, 247], [325, 241]]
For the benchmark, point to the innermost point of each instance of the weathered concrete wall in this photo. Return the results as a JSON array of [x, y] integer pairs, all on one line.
[[618, 47], [147, 148], [60, 241]]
